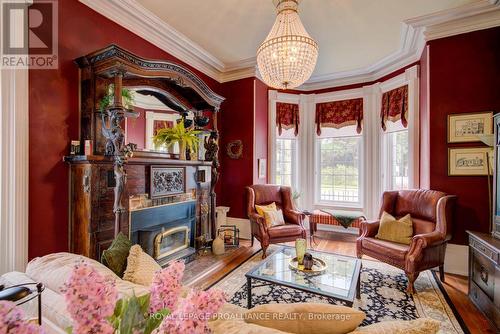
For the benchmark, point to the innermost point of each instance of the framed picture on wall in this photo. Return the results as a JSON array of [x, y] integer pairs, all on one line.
[[167, 181], [469, 161], [467, 127], [262, 168]]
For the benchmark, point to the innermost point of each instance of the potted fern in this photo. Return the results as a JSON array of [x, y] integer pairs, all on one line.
[[187, 138], [107, 100]]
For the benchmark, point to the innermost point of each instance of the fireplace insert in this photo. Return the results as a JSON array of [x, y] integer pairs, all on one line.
[[165, 241], [165, 232]]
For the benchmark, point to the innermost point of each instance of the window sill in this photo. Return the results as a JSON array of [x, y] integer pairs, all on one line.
[[340, 207]]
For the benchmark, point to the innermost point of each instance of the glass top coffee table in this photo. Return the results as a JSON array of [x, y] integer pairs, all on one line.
[[340, 280]]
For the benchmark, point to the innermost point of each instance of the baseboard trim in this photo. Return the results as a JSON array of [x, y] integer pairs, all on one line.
[[243, 225], [456, 260], [339, 229]]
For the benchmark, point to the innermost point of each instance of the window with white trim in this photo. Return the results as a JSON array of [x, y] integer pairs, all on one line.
[[339, 167], [286, 158], [396, 156]]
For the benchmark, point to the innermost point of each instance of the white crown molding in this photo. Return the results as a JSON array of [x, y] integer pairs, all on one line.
[[468, 24], [415, 33], [134, 17], [239, 73]]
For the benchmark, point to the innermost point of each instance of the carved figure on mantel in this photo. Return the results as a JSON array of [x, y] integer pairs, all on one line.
[[114, 146], [113, 133], [120, 175], [215, 175], [121, 179], [211, 146]]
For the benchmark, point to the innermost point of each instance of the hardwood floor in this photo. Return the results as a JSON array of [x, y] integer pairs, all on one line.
[[456, 286]]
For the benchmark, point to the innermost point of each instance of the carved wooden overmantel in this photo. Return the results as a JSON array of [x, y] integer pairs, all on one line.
[[103, 181]]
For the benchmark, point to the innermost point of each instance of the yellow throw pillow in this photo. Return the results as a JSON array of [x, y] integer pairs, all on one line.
[[306, 318], [418, 326], [396, 230], [261, 208], [140, 267], [274, 218], [229, 320]]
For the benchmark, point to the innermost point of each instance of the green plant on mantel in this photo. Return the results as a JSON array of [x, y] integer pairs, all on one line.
[[107, 100], [187, 138]]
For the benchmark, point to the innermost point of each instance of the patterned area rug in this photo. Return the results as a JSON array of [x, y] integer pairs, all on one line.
[[383, 295]]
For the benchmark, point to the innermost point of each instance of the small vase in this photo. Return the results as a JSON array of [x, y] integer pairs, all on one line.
[[218, 245], [300, 249], [182, 150], [308, 261]]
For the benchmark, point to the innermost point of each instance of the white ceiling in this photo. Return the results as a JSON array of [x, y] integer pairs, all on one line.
[[352, 34]]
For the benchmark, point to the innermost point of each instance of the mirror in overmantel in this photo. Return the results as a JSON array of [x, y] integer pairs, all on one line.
[[156, 113]]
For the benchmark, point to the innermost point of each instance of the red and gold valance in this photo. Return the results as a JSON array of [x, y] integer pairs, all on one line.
[[339, 114], [287, 117], [395, 106]]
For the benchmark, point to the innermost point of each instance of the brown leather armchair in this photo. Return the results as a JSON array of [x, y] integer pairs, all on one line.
[[263, 194], [431, 213]]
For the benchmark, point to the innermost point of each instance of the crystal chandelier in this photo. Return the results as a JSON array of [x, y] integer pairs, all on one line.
[[287, 57]]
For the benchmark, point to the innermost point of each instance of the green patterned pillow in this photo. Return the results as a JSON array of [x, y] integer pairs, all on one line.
[[115, 257]]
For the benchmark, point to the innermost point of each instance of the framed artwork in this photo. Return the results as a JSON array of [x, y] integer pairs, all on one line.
[[262, 168], [466, 127], [469, 161], [167, 181]]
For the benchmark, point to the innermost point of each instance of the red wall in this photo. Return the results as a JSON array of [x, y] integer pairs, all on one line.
[[464, 77], [54, 118], [236, 122], [136, 129]]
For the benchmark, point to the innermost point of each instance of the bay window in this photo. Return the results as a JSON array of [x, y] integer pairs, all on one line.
[[338, 167], [342, 149]]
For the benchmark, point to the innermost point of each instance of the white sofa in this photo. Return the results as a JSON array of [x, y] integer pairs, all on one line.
[[53, 271]]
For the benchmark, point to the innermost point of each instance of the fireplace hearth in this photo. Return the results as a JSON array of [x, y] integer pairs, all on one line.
[[165, 232]]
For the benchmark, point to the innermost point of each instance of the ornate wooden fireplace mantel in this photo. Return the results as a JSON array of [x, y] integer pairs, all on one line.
[[103, 182]]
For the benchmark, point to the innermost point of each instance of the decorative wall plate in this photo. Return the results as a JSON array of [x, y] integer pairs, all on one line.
[[234, 149], [167, 181]]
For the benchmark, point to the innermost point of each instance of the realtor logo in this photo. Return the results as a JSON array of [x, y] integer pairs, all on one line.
[[29, 34]]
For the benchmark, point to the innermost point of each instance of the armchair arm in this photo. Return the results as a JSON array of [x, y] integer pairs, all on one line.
[[421, 241], [444, 215], [368, 228], [294, 217], [429, 239], [258, 220]]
